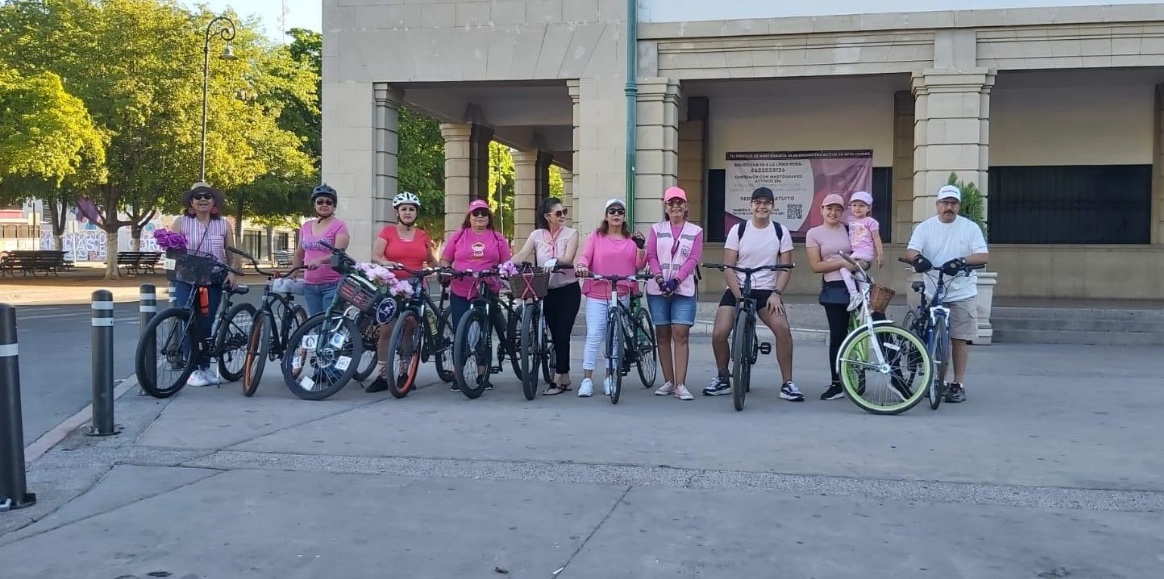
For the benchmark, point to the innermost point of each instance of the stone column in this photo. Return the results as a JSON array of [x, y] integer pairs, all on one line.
[[903, 129], [657, 164], [568, 192], [525, 189], [458, 185], [349, 163], [479, 140], [951, 132], [1157, 236], [388, 101], [542, 175], [599, 161]]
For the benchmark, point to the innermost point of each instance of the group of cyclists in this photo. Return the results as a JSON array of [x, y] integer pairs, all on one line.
[[758, 248]]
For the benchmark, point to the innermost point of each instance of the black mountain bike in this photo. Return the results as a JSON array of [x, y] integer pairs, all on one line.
[[537, 343], [745, 347], [172, 342], [629, 326], [473, 344], [278, 317], [422, 330]]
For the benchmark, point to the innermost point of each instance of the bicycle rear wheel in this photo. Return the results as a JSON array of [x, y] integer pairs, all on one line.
[[161, 365], [257, 349], [370, 332], [941, 352], [323, 354], [547, 355], [742, 344], [472, 353], [530, 319], [231, 340], [404, 347], [894, 387], [441, 347], [646, 348]]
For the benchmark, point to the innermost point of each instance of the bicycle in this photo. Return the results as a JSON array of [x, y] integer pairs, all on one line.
[[182, 344], [431, 335], [537, 348], [878, 347], [746, 349], [278, 317], [331, 340], [629, 326], [930, 321], [473, 340]]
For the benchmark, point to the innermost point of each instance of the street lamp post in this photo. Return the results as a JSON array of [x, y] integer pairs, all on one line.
[[224, 31]]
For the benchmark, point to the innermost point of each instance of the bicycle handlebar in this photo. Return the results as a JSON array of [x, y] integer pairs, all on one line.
[[555, 269], [964, 269], [255, 264], [618, 278], [750, 270]]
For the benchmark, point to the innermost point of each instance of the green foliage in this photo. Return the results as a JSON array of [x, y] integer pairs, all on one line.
[[557, 185], [502, 186], [421, 167], [973, 206]]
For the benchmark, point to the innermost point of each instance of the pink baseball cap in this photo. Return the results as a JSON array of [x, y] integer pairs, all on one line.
[[833, 199], [479, 204], [674, 193], [861, 196]]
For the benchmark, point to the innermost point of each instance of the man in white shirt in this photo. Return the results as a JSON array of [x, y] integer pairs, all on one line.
[[755, 243], [948, 240]]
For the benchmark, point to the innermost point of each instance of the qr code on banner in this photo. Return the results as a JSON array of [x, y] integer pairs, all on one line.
[[796, 211]]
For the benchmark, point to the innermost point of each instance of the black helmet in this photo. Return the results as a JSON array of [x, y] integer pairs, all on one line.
[[324, 190]]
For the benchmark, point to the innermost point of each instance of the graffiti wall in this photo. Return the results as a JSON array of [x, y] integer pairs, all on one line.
[[85, 242]]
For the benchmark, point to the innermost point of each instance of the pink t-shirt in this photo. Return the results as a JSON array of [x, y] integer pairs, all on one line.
[[469, 250], [758, 248], [861, 232], [831, 241], [605, 255], [312, 250]]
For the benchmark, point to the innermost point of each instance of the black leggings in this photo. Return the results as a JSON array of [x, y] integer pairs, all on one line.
[[838, 317], [561, 309]]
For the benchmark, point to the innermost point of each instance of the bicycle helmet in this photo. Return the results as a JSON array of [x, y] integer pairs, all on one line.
[[324, 190], [405, 198]]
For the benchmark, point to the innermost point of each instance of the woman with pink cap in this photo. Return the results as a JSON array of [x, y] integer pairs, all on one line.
[[478, 247], [674, 247], [823, 243]]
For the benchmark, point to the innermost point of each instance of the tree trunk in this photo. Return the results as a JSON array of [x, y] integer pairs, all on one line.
[[238, 219], [270, 244], [57, 217], [135, 238], [111, 255], [59, 243]]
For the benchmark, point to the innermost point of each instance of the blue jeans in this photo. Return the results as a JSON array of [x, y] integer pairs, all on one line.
[[317, 296], [674, 310], [205, 323]]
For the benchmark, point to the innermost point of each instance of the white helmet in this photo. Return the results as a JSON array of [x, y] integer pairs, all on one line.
[[405, 198]]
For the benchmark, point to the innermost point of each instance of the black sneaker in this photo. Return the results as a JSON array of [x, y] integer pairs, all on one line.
[[377, 385], [835, 392], [790, 392], [955, 393], [719, 386], [454, 387]]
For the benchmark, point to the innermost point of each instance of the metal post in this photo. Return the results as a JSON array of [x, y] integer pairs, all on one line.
[[102, 424], [13, 484], [147, 308]]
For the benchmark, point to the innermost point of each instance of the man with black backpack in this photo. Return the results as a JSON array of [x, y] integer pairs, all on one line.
[[755, 243]]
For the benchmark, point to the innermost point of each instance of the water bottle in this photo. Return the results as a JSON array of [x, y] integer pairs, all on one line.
[[432, 322]]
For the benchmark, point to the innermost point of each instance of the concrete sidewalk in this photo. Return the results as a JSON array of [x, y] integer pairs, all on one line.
[[1053, 468]]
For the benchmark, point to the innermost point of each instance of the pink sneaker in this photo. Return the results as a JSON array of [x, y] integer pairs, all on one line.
[[682, 393], [666, 389]]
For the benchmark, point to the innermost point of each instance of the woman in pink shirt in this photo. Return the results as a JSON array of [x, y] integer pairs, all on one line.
[[320, 280], [610, 250], [674, 247]]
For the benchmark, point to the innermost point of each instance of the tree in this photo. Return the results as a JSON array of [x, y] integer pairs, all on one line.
[[557, 185], [502, 185], [421, 167], [973, 204]]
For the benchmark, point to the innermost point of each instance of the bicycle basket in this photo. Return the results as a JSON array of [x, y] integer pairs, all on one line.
[[879, 298], [198, 268], [530, 284], [361, 293]]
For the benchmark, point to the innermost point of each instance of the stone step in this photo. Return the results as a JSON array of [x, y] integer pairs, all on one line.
[[1013, 336], [1121, 314], [1071, 323]]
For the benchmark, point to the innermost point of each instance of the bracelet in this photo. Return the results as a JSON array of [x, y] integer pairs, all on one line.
[[777, 292]]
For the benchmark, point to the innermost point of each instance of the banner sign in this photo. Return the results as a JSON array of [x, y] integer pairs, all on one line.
[[799, 180]]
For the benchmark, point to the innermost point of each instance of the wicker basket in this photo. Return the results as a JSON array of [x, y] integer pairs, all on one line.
[[198, 268], [361, 293], [879, 298], [528, 285]]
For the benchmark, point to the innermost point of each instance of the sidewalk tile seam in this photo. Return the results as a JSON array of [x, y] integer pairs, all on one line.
[[618, 501]]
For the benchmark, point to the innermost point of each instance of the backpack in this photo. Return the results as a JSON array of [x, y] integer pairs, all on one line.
[[779, 230]]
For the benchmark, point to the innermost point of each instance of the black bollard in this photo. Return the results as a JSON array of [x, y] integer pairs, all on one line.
[[147, 308], [102, 424], [13, 484]]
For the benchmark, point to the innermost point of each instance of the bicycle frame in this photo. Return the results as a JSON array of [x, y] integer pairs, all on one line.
[[625, 314], [866, 323]]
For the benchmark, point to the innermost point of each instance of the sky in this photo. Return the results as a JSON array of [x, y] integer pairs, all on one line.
[[301, 13]]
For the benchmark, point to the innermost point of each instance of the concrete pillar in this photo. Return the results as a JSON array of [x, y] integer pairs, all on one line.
[[458, 184], [349, 163], [568, 193], [657, 165], [951, 132], [692, 163], [479, 140], [388, 101], [525, 190], [599, 161], [1158, 168], [542, 176], [903, 126]]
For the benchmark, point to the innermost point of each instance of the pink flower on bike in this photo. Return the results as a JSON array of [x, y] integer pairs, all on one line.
[[507, 269], [169, 239]]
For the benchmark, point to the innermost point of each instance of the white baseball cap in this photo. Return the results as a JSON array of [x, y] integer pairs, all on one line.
[[950, 192], [861, 196], [615, 201]]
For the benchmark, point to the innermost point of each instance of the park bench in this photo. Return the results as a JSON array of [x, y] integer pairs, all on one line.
[[32, 261], [284, 257], [137, 262]]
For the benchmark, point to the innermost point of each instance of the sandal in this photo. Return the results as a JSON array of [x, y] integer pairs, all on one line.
[[555, 389]]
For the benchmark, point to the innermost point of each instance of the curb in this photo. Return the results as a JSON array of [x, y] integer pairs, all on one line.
[[54, 437], [764, 334]]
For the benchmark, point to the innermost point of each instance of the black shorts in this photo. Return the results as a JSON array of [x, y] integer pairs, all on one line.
[[761, 297]]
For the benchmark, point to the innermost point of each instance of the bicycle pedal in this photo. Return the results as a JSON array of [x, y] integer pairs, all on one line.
[[765, 348]]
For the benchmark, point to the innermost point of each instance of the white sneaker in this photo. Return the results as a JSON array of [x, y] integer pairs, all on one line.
[[586, 390], [607, 386], [666, 389], [854, 302], [197, 379], [682, 393], [210, 378]]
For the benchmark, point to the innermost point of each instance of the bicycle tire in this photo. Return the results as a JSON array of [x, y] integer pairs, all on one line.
[[341, 372], [941, 352], [530, 317], [258, 347], [178, 322], [474, 318], [368, 359], [511, 343], [646, 348], [396, 386], [854, 378], [547, 355], [441, 349], [614, 332], [230, 337], [742, 344]]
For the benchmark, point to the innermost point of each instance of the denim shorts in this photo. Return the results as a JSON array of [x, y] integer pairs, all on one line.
[[674, 310]]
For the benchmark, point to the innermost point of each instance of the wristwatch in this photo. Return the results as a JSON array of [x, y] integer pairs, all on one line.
[[777, 292]]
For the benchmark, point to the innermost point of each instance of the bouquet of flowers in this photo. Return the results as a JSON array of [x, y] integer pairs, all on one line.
[[507, 269], [169, 239], [386, 278]]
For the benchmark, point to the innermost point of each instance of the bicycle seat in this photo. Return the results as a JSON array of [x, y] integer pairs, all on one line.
[[918, 286], [239, 290]]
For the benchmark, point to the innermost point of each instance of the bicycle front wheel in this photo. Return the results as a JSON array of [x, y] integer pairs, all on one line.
[[257, 349], [742, 343], [231, 340], [440, 346], [323, 357], [617, 350], [471, 353], [547, 355], [530, 318], [941, 352], [404, 354], [884, 371], [162, 363], [646, 348]]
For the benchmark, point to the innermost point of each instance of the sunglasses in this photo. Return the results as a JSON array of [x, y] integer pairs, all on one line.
[[561, 213], [324, 202], [616, 212], [202, 196], [480, 213], [676, 202]]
